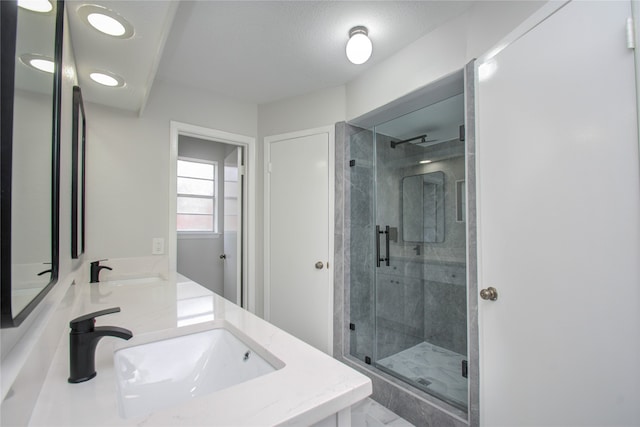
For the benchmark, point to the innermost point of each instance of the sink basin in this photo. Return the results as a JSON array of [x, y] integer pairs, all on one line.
[[158, 370]]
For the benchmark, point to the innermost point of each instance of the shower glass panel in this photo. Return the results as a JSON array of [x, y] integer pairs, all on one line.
[[408, 300]]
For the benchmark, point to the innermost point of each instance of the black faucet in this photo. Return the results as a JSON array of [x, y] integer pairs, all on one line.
[[83, 339], [95, 270]]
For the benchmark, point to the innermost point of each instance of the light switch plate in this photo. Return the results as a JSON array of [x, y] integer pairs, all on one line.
[[157, 246]]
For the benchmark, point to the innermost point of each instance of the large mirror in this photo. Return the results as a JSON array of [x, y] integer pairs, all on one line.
[[31, 84], [423, 208], [78, 145]]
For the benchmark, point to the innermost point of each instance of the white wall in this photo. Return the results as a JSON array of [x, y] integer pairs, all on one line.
[[321, 108], [128, 165], [437, 54]]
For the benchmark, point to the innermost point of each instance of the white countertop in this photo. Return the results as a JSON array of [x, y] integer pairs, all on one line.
[[310, 387]]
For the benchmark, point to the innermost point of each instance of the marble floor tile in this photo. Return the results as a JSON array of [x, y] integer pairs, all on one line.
[[433, 369], [370, 413]]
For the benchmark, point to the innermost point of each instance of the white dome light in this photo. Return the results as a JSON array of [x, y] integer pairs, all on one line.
[[105, 79], [359, 46]]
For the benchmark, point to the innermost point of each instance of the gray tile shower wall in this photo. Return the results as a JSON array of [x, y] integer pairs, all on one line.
[[419, 300]]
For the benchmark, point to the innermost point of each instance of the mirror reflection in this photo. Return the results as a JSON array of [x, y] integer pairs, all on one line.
[[423, 208], [33, 266]]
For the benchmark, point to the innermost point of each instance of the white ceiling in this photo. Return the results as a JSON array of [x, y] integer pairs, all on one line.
[[252, 51]]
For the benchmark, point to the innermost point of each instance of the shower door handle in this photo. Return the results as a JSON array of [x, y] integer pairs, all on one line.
[[387, 234], [378, 246], [379, 259]]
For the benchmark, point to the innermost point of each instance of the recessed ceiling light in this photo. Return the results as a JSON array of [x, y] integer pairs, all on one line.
[[39, 62], [424, 162], [42, 6], [359, 46], [106, 24], [106, 78], [106, 21]]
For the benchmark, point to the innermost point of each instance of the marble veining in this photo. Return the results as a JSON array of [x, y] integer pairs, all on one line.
[[433, 369], [370, 413]]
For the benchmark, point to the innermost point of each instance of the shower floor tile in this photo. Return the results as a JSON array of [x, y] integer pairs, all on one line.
[[432, 368]]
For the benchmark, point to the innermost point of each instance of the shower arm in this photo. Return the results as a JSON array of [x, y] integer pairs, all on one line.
[[394, 144]]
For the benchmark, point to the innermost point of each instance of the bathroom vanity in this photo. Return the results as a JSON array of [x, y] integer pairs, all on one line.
[[303, 387]]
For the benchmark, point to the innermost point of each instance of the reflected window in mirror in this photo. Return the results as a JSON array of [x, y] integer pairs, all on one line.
[[30, 164]]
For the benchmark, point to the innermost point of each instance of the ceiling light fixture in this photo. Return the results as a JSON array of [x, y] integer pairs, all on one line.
[[39, 62], [106, 21], [424, 162], [359, 46], [42, 6], [106, 78]]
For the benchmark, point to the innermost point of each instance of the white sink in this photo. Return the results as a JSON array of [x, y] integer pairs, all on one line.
[[157, 370]]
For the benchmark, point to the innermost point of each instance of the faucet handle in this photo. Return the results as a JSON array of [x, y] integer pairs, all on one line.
[[86, 323]]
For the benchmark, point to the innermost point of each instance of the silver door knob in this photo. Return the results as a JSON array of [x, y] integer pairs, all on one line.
[[319, 265], [490, 294]]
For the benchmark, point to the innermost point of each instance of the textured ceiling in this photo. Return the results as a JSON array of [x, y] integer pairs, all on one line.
[[252, 51]]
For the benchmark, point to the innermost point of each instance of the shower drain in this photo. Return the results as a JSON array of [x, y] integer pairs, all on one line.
[[423, 382]]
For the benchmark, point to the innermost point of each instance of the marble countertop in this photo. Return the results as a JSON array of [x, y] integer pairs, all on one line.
[[310, 387]]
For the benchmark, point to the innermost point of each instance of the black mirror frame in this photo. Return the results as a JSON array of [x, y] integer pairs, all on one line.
[[9, 17], [78, 181]]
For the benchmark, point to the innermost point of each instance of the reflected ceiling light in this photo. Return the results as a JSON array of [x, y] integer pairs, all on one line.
[[359, 46], [106, 78], [39, 62], [424, 162], [42, 6], [106, 21]]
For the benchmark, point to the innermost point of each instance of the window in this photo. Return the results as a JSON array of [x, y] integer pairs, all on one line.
[[196, 204], [231, 193]]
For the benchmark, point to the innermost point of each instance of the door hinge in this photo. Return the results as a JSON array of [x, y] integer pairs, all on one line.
[[352, 326], [269, 169], [465, 369], [367, 360], [631, 34], [352, 163], [242, 169]]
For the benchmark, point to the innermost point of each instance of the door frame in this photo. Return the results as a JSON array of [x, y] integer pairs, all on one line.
[[249, 190], [268, 140]]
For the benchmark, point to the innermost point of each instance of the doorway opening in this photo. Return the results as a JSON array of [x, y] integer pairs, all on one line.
[[210, 214]]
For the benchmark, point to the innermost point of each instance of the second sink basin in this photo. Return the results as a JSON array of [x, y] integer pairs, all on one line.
[[157, 370]]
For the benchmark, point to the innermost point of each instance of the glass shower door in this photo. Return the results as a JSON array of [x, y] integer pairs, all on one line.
[[408, 249]]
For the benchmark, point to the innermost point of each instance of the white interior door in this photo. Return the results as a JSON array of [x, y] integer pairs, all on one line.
[[233, 225], [298, 245], [559, 224]]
